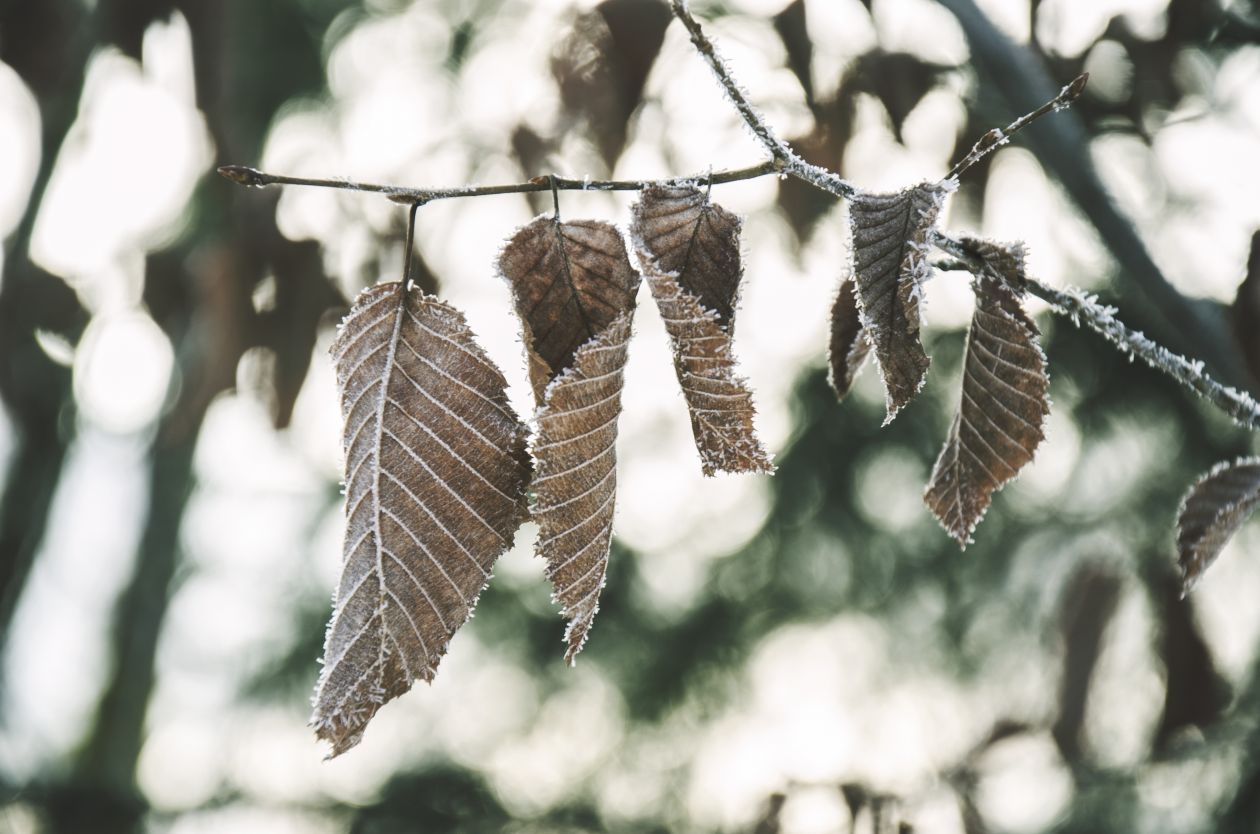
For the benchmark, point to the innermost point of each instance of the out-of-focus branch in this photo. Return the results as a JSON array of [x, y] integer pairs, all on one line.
[[1062, 145]]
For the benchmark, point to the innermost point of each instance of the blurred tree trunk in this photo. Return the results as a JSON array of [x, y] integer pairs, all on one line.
[[48, 45], [200, 293]]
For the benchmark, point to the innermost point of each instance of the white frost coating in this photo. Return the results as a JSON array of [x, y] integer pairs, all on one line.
[[1081, 306]]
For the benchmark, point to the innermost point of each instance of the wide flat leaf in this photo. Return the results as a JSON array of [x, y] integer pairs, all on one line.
[[1003, 407], [689, 248], [436, 470], [1211, 513], [574, 290], [849, 346], [569, 281], [891, 236]]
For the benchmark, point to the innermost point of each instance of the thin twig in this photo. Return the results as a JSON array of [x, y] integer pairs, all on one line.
[[1084, 310], [779, 150], [243, 175], [998, 137]]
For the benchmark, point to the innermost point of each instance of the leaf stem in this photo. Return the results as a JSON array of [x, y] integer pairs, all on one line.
[[244, 175]]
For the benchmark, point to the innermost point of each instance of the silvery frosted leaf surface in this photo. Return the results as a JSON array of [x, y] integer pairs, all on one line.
[[689, 248], [574, 290], [436, 470], [849, 347], [891, 236]]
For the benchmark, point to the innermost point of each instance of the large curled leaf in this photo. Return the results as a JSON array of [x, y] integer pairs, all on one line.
[[891, 236], [436, 469], [689, 248], [1003, 405], [1211, 513], [849, 346], [574, 290]]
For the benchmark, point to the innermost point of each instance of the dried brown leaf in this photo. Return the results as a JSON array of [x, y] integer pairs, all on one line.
[[891, 235], [436, 469], [576, 484], [849, 347], [574, 290], [1003, 406], [1211, 513], [570, 281], [690, 251]]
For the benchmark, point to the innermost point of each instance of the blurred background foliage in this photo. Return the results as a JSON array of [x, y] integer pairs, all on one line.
[[807, 653]]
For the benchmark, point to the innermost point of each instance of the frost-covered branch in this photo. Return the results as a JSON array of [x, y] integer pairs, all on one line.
[[998, 137], [782, 153], [243, 175], [1085, 311]]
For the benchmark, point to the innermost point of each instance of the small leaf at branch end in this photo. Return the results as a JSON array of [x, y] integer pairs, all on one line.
[[849, 347], [569, 281], [1212, 511], [436, 471], [576, 483], [1003, 407], [689, 248], [891, 237]]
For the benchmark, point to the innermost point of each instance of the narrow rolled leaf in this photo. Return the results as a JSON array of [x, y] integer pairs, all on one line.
[[569, 281], [849, 347], [891, 236], [1211, 513], [576, 484], [574, 290], [690, 251], [1003, 407], [436, 469]]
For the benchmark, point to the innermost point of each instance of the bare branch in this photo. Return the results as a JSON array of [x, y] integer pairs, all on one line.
[[243, 175], [998, 137], [782, 153]]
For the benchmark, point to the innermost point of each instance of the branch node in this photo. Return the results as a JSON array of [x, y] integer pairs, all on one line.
[[244, 175]]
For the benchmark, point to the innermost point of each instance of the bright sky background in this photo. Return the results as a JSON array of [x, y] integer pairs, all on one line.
[[823, 700]]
